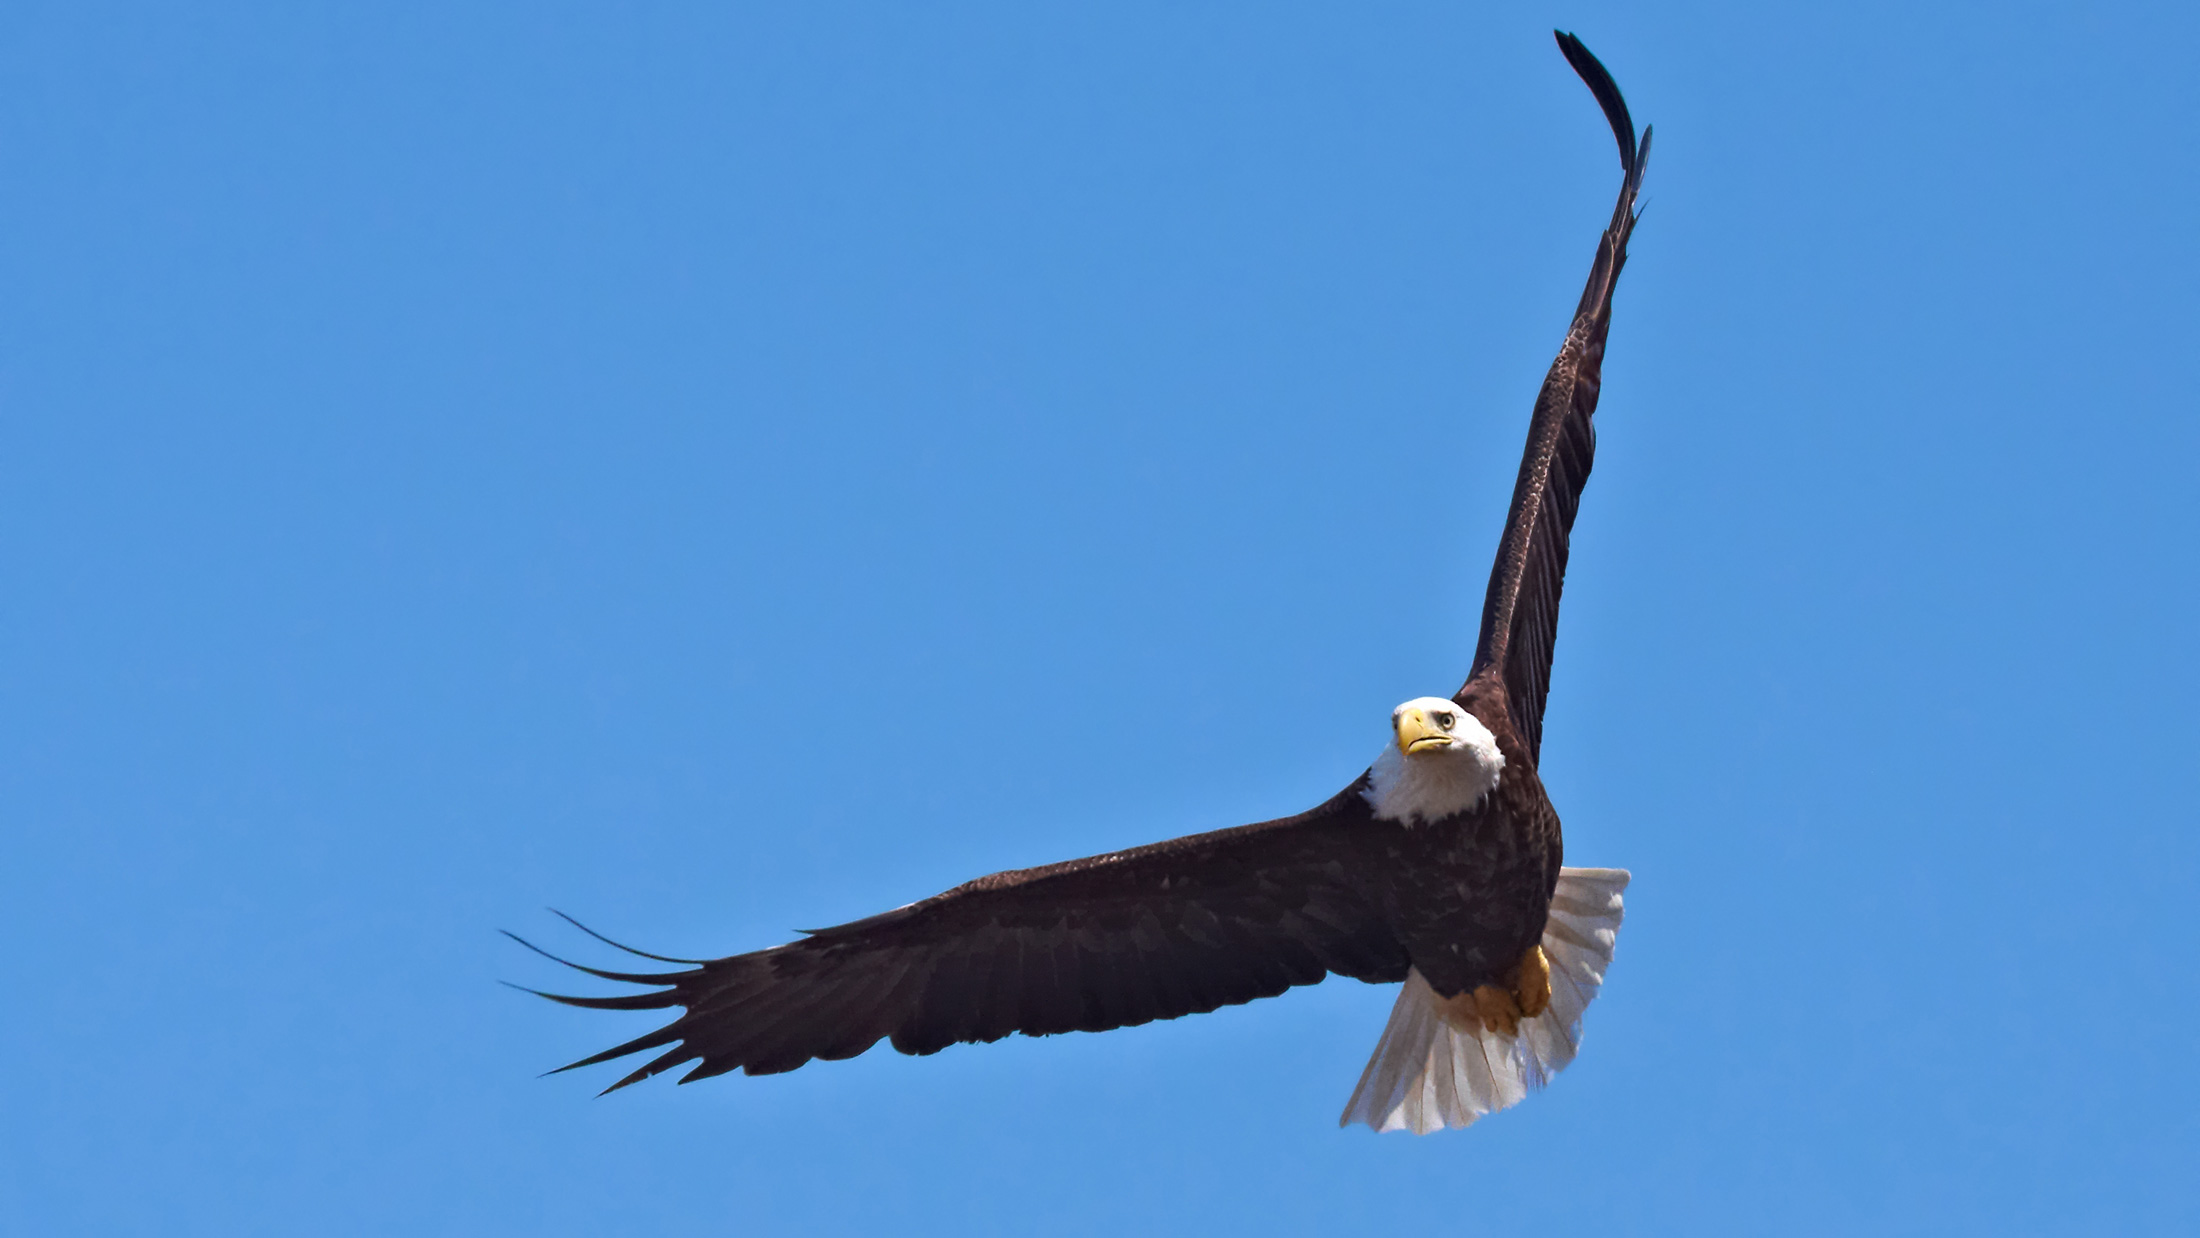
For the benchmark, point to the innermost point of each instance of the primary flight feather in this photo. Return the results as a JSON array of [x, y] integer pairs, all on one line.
[[1440, 867]]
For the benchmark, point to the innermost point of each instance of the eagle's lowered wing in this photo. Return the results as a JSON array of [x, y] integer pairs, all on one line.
[[1175, 928]]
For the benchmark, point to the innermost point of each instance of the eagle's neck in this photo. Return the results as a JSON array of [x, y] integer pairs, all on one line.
[[1435, 785]]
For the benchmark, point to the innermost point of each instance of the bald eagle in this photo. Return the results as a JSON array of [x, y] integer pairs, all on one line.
[[1440, 867]]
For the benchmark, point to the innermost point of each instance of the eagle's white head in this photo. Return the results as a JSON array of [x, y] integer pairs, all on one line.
[[1443, 762]]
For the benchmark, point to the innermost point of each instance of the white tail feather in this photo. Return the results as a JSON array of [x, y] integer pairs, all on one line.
[[1427, 1074]]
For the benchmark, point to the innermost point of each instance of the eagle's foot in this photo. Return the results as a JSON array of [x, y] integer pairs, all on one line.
[[1522, 993], [1497, 1009], [1457, 1012], [1531, 983], [1483, 1006]]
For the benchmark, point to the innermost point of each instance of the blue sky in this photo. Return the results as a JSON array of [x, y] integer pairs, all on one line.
[[457, 460]]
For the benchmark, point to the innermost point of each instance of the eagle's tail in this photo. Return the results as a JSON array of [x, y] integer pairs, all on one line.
[[1427, 1074]]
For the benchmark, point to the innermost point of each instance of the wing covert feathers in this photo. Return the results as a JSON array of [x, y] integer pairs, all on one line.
[[1177, 928], [1520, 613], [1426, 1074]]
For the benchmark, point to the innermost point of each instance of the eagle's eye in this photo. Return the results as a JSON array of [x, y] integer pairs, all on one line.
[[1444, 720]]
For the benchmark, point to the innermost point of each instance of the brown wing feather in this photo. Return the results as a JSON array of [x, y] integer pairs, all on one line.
[[1176, 928], [1520, 613]]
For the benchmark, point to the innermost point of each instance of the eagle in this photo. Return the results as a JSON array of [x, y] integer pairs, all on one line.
[[1440, 867]]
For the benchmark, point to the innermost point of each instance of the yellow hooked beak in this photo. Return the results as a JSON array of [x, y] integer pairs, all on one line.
[[1417, 734]]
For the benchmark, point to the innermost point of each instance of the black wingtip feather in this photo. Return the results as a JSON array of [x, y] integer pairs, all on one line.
[[624, 977], [638, 1001], [655, 1066], [654, 1040], [1600, 83], [632, 1001], [640, 954]]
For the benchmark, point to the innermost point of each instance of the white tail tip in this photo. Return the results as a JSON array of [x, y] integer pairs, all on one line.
[[1427, 1074]]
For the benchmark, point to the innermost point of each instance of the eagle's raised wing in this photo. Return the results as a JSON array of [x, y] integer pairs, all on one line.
[[1520, 613], [1175, 928]]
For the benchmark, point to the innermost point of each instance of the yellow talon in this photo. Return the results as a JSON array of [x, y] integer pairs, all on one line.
[[1525, 993], [1497, 1010], [1531, 984], [1458, 1013]]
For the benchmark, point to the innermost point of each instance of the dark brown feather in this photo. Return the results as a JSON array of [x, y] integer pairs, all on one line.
[[1176, 928], [1520, 612]]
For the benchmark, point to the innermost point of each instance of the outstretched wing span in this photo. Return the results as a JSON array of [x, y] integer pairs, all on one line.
[[1520, 613], [1176, 928], [1172, 929]]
